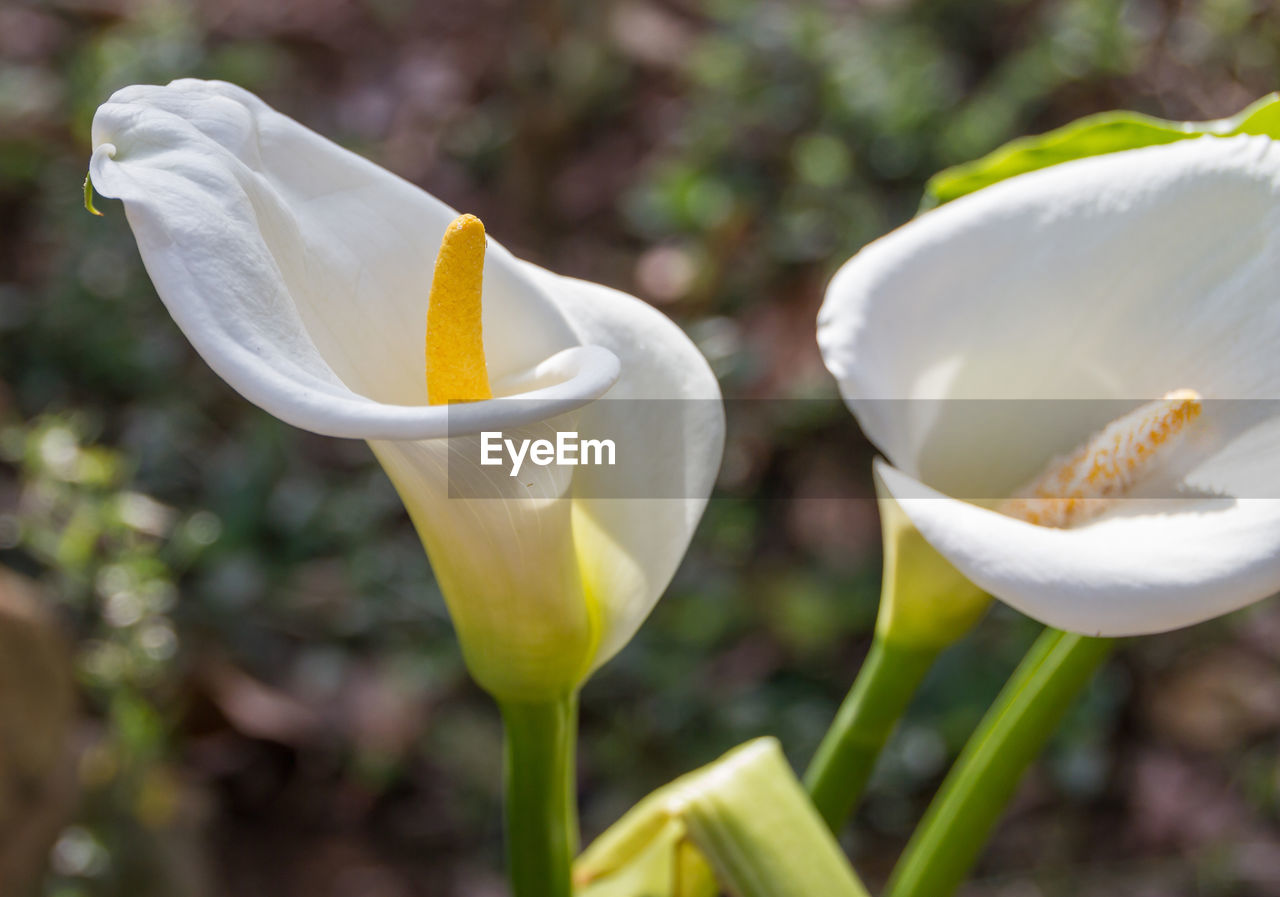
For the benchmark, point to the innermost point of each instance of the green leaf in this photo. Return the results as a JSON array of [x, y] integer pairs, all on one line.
[[752, 826], [1093, 135]]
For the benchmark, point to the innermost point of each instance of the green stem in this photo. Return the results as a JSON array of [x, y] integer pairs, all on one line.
[[847, 755], [541, 805], [947, 843]]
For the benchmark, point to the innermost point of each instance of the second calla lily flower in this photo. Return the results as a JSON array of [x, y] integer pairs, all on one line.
[[300, 272], [1123, 312]]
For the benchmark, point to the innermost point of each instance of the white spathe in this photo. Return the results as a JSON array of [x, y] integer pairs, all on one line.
[[300, 272], [1068, 296]]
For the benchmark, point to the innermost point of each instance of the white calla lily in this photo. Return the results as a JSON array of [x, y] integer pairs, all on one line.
[[1111, 281], [300, 272]]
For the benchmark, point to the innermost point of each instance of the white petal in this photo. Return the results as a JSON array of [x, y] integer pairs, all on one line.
[[666, 413], [300, 272], [1123, 276], [503, 552], [1153, 566], [297, 269]]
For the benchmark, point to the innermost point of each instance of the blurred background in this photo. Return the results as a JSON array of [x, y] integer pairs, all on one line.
[[224, 666]]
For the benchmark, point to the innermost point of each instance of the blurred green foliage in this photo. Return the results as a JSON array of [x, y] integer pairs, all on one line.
[[112, 556], [274, 699]]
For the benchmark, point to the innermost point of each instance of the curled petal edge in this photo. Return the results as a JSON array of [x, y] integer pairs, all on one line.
[[1129, 573]]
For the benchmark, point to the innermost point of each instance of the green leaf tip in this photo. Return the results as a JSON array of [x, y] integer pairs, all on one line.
[[1093, 135], [1261, 118], [88, 196]]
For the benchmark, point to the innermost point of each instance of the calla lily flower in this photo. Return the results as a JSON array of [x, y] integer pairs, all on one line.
[[300, 272], [1139, 285]]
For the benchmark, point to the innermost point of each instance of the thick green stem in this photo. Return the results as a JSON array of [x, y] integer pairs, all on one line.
[[541, 802], [847, 755], [947, 843]]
